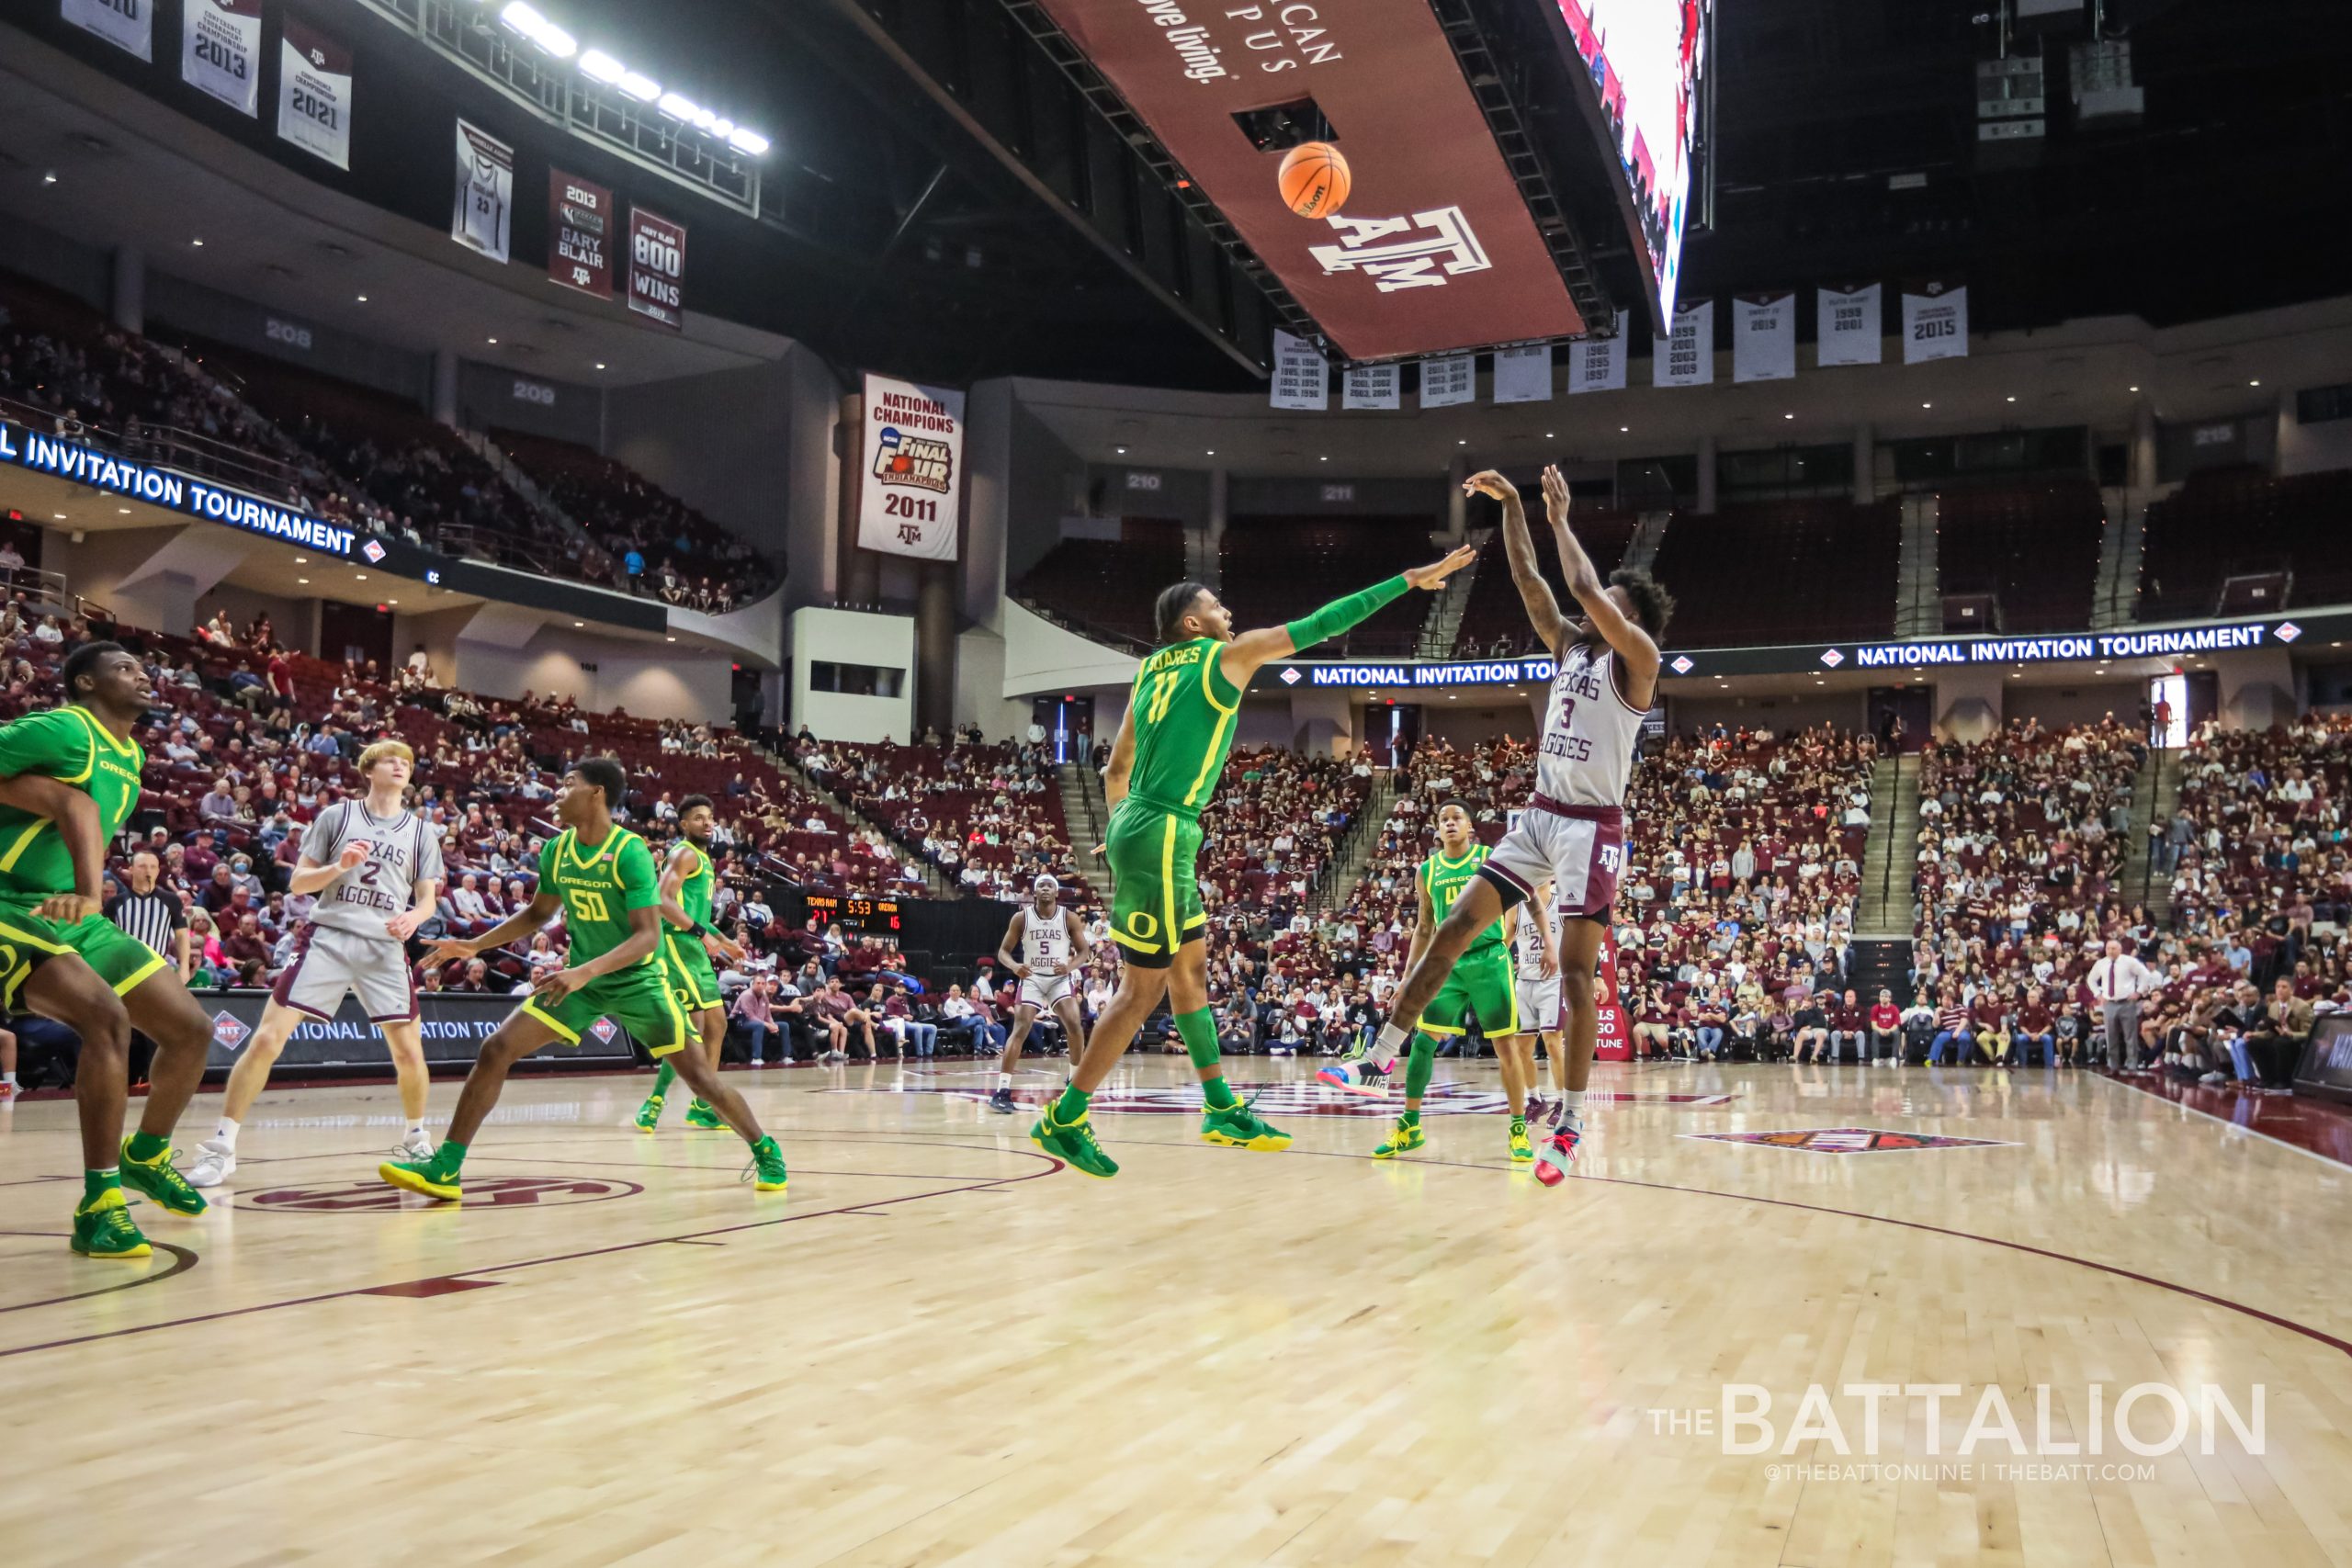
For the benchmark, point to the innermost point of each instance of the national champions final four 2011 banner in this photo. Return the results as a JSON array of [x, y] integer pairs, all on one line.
[[910, 502]]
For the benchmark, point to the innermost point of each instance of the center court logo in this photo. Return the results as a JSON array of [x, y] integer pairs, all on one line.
[[1851, 1141], [1304, 1099], [372, 1197]]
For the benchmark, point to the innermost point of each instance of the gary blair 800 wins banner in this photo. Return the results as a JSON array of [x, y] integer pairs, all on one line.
[[914, 469]]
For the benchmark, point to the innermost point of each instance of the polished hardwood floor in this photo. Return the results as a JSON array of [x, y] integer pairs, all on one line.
[[938, 1348]]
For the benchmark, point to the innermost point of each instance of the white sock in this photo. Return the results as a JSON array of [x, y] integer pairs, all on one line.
[[416, 1128], [1004, 1080], [1572, 1105], [226, 1132], [9, 1078]]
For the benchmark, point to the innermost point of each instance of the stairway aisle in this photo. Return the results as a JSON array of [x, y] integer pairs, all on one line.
[[2154, 796], [1347, 867], [1084, 812], [1890, 853]]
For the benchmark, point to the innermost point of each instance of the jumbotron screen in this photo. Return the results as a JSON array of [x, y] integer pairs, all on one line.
[[1645, 59]]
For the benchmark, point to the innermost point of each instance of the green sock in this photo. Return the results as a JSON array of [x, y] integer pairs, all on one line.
[[1421, 1066], [1198, 1031], [1519, 1125], [1071, 1106], [663, 1079], [146, 1147], [447, 1160], [1217, 1094], [1409, 1119], [97, 1184]]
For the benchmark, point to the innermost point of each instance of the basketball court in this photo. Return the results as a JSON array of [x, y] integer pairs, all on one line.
[[938, 1347]]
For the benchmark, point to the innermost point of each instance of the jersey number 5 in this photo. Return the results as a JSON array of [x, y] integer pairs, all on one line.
[[589, 905]]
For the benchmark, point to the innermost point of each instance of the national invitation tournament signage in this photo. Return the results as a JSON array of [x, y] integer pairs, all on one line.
[[909, 504]]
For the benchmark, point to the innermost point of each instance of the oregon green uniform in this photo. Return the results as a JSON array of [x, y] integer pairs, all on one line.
[[599, 887], [1183, 706], [69, 745], [692, 979], [1482, 984]]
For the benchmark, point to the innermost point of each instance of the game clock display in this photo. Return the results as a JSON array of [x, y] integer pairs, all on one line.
[[853, 913]]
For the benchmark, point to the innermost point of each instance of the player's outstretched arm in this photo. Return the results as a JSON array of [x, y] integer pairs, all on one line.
[[1248, 651], [1519, 548], [1632, 644], [75, 815], [540, 910]]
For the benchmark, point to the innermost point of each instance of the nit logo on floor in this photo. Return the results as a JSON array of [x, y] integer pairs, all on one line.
[[1853, 1141]]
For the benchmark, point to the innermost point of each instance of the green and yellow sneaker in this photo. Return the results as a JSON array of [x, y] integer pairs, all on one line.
[[423, 1176], [1403, 1138], [161, 1180], [767, 1166], [102, 1228], [700, 1115], [649, 1115], [1238, 1126], [1073, 1144], [1521, 1151]]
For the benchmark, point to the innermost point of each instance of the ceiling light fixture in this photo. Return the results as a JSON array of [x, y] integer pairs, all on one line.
[[598, 66], [600, 365], [363, 299], [197, 244], [527, 20], [360, 575]]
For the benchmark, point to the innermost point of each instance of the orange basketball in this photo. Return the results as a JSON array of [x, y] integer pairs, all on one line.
[[1315, 179]]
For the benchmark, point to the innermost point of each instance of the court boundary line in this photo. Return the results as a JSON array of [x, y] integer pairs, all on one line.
[[2109, 1075]]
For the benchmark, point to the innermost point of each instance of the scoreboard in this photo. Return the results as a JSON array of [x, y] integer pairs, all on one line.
[[865, 914]]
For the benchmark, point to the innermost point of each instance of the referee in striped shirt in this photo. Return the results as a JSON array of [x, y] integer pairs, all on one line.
[[151, 913]]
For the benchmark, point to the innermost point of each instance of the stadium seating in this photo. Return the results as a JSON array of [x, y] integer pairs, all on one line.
[[1817, 570], [2036, 547], [1278, 569], [1107, 587], [2225, 522], [1494, 622]]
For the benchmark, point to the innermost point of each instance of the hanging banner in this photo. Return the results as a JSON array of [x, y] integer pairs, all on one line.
[[1448, 380], [483, 218], [220, 50], [1369, 387], [1613, 1038], [1764, 337], [1595, 365], [1523, 375], [314, 92], [1301, 380], [1935, 322], [126, 23], [1849, 331], [1687, 358], [914, 459], [657, 270], [580, 235]]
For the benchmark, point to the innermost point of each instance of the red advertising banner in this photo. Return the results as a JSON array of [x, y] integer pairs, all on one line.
[[657, 268], [580, 235], [1432, 248], [1614, 1039]]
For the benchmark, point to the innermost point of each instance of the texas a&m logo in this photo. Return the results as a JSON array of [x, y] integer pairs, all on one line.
[[1404, 252]]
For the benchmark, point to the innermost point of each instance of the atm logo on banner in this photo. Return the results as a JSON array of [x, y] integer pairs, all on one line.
[[1404, 252]]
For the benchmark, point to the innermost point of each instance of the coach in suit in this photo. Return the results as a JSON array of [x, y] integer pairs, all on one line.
[[2117, 981]]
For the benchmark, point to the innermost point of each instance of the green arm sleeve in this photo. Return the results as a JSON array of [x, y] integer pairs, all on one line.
[[1342, 614]]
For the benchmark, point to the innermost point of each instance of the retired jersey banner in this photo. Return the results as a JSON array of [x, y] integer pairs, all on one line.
[[220, 50], [1764, 337], [580, 235], [1849, 327], [1301, 379], [1449, 379], [314, 92], [1687, 357], [126, 23], [1369, 387], [657, 268], [915, 465], [1523, 375], [1935, 322], [1595, 365], [482, 217]]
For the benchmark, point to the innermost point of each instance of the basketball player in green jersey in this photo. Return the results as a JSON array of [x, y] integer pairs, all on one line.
[[1164, 769], [69, 780], [688, 939], [601, 876], [1481, 986]]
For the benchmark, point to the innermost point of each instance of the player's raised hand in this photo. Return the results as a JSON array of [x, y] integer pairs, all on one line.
[[1486, 482], [1556, 493], [448, 950], [1431, 575]]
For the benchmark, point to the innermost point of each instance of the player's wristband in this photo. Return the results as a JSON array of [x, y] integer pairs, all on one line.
[[1340, 615], [706, 928]]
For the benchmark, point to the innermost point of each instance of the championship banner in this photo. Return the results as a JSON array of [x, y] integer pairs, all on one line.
[[314, 92], [1849, 326], [1449, 379], [1369, 387], [657, 273], [1613, 1040], [1764, 337], [220, 50], [1687, 358], [1523, 375], [1595, 365], [580, 235], [483, 218], [126, 23], [914, 459], [1300, 380], [1935, 322]]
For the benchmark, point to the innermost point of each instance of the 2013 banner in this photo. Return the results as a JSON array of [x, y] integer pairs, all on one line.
[[482, 217], [909, 504], [580, 235], [657, 268], [314, 92], [220, 50]]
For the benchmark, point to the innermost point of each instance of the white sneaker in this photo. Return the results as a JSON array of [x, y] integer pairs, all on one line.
[[215, 1163], [413, 1146]]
